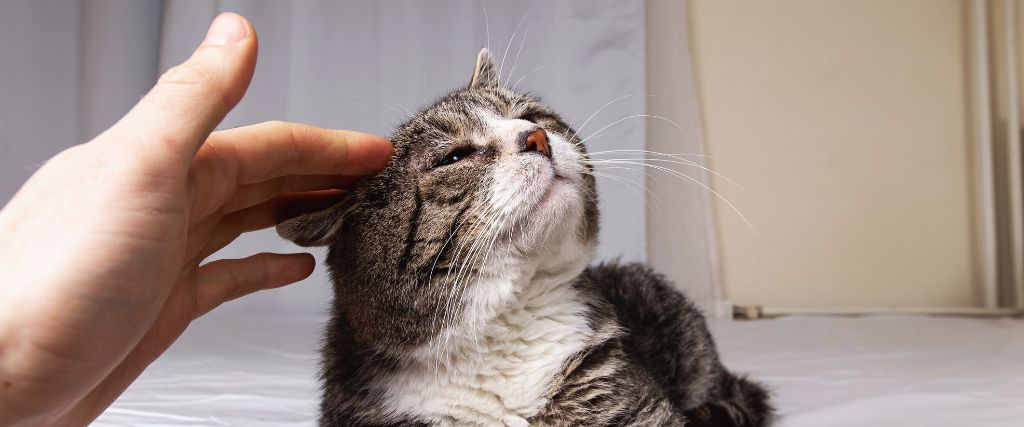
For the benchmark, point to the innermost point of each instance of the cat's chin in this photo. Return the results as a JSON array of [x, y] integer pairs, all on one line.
[[559, 200], [556, 204]]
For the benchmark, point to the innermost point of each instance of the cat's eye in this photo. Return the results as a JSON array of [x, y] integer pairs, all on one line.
[[530, 117], [455, 155]]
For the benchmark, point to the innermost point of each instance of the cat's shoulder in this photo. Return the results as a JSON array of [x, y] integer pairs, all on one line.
[[641, 298], [615, 271], [635, 281]]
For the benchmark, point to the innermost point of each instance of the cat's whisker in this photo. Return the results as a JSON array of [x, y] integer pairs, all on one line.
[[635, 188], [653, 208], [455, 291], [629, 182], [445, 327], [683, 162], [650, 116], [681, 175], [499, 222], [598, 111], [675, 155], [464, 276], [481, 229], [470, 213]]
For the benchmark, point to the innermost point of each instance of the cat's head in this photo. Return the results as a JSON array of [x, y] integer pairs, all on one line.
[[488, 191]]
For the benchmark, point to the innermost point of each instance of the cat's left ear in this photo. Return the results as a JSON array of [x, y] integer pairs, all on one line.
[[317, 228], [484, 73]]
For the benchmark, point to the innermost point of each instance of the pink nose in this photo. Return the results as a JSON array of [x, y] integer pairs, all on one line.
[[538, 141]]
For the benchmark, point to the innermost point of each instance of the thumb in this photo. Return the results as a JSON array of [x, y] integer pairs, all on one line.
[[190, 99]]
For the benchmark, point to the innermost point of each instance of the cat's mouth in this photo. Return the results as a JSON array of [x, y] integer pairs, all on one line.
[[549, 191], [540, 188]]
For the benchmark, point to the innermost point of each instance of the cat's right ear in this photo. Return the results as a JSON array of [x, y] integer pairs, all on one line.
[[484, 72], [318, 228]]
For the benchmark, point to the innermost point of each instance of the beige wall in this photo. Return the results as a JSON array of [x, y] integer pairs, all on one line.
[[846, 124], [679, 223]]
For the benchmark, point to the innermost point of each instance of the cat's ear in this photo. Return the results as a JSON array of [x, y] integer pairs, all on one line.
[[484, 72], [318, 228]]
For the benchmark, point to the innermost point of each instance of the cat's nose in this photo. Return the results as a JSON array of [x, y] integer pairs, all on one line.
[[536, 140]]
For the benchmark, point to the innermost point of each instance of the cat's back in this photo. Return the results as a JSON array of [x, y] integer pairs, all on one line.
[[663, 331], [665, 335]]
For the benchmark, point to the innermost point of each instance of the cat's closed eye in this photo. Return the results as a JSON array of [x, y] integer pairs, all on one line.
[[530, 117], [455, 155]]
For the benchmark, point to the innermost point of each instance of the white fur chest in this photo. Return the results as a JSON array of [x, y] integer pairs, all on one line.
[[499, 374]]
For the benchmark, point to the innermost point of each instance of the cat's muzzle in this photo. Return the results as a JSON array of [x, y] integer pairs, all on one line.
[[536, 140]]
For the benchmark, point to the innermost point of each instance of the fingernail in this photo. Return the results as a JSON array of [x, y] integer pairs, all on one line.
[[227, 28]]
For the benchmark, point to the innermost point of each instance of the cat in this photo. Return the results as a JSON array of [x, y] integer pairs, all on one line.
[[462, 294]]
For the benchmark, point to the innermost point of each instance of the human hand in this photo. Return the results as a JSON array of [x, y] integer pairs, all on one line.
[[101, 249]]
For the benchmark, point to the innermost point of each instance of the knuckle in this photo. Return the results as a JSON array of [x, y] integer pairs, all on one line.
[[276, 124], [188, 73], [166, 140]]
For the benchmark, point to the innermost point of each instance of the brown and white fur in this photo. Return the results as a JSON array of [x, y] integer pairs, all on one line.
[[463, 297]]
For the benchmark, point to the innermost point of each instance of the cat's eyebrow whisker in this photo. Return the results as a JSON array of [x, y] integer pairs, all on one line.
[[681, 175], [392, 108], [513, 38], [522, 41], [516, 84], [677, 161], [487, 24], [579, 129], [378, 86]]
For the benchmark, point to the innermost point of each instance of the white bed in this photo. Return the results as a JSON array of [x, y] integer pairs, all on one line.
[[866, 371]]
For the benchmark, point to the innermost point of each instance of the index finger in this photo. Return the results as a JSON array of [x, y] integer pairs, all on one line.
[[270, 150], [257, 153]]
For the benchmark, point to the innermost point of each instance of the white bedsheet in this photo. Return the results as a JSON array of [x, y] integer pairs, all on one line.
[[868, 371]]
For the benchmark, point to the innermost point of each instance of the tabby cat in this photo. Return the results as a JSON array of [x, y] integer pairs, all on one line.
[[462, 294]]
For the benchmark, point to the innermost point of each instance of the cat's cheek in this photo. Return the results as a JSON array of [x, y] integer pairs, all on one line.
[[567, 159]]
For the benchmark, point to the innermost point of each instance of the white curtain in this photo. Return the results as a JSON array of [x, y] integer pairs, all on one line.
[[70, 69]]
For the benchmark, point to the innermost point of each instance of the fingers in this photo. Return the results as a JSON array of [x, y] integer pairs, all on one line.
[[273, 149], [190, 99], [225, 280], [264, 215], [253, 194], [266, 151]]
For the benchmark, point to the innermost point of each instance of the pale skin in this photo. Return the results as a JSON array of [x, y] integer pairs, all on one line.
[[102, 251]]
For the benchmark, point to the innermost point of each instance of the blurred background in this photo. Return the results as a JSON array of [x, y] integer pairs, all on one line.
[[866, 155], [878, 144]]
